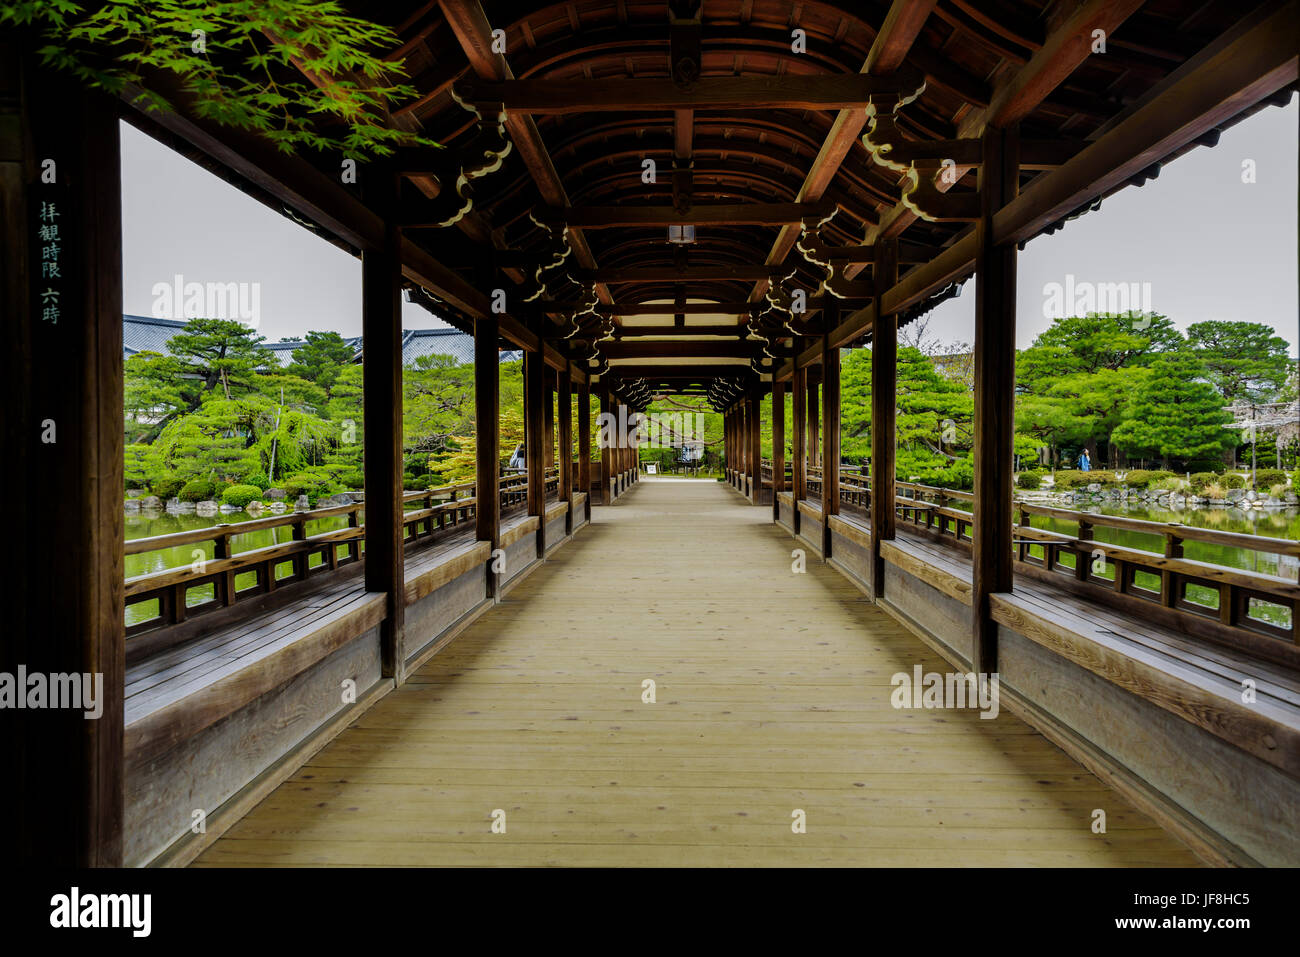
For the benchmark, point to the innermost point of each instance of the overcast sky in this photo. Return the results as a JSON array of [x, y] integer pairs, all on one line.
[[1209, 245]]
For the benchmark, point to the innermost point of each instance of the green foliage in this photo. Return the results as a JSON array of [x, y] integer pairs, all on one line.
[[315, 482], [1143, 478], [197, 490], [1231, 480], [250, 70], [1266, 478], [1245, 361], [136, 456], [1200, 481], [321, 359], [257, 479], [1029, 480], [167, 487], [1177, 415], [240, 495]]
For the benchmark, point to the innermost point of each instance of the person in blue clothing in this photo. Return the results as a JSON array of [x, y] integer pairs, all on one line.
[[1085, 464]]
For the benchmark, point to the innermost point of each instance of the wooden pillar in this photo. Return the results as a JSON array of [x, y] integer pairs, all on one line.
[[814, 428], [995, 373], [487, 428], [534, 452], [607, 440], [830, 434], [62, 399], [565, 413], [799, 448], [584, 444], [381, 329], [884, 406], [548, 414], [726, 443], [778, 446], [754, 421]]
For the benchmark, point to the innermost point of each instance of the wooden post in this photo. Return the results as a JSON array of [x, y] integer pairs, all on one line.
[[830, 434], [778, 446], [381, 329], [884, 408], [799, 448], [534, 438], [754, 422], [584, 444], [62, 401], [548, 417], [995, 372], [728, 436], [607, 439], [487, 429], [565, 413], [814, 427]]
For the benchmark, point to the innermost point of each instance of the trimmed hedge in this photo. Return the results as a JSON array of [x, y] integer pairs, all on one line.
[[197, 490], [241, 495], [1265, 479], [1029, 480]]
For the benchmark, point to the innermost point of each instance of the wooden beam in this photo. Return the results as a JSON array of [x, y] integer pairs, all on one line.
[[884, 407], [678, 349], [734, 214], [1257, 63], [901, 26], [830, 439], [535, 441], [754, 421], [487, 431], [564, 411], [381, 325], [606, 437], [692, 372], [778, 447], [668, 274], [584, 444], [799, 444], [824, 92], [995, 370], [62, 389]]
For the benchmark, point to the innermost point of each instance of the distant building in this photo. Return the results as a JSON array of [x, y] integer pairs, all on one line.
[[956, 367], [146, 334]]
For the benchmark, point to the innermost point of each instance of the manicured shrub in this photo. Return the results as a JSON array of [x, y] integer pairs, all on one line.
[[312, 482], [1267, 478], [1069, 478], [1029, 480], [256, 479], [1144, 478], [240, 495], [167, 488], [197, 490], [1171, 484], [1201, 480], [1231, 480]]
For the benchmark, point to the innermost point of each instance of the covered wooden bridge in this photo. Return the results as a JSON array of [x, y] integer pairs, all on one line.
[[582, 666]]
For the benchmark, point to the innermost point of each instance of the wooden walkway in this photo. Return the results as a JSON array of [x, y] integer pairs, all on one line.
[[772, 695]]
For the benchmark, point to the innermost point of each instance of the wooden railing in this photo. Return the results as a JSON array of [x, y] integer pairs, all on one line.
[[1197, 590], [259, 571]]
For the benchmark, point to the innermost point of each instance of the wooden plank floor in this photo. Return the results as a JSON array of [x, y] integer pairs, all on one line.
[[772, 694]]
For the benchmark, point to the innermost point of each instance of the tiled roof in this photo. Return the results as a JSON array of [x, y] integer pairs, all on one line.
[[144, 333]]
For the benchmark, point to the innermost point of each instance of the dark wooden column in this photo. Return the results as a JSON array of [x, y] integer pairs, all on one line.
[[534, 439], [754, 423], [62, 398], [799, 447], [726, 443], [778, 446], [830, 436], [487, 429], [548, 418], [584, 444], [381, 329], [884, 405], [995, 375], [607, 447], [565, 413], [814, 427]]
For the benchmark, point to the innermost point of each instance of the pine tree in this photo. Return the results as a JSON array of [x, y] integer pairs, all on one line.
[[1177, 415]]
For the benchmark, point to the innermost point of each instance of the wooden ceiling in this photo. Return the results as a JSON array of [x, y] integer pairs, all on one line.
[[749, 164]]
